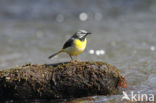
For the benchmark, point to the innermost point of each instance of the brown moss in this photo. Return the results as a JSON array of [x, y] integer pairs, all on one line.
[[61, 80]]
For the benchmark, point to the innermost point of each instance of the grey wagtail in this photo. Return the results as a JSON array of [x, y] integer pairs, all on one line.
[[75, 45]]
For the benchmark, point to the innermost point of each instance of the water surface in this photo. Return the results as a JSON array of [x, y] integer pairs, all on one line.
[[125, 31]]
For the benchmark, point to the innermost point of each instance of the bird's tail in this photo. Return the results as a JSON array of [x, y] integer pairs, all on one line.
[[56, 53]]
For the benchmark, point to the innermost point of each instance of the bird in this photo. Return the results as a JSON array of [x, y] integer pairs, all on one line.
[[75, 45]]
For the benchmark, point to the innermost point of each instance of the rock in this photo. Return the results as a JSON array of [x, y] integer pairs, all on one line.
[[61, 80]]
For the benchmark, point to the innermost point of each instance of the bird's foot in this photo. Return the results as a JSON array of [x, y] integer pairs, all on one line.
[[78, 59], [73, 61]]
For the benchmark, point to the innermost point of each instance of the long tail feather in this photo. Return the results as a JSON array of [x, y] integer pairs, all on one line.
[[56, 54]]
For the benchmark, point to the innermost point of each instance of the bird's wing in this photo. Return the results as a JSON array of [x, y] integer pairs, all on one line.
[[68, 43]]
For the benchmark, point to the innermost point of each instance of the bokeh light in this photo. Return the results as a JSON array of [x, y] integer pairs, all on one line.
[[83, 16]]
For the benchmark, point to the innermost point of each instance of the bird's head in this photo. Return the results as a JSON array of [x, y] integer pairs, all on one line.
[[81, 34]]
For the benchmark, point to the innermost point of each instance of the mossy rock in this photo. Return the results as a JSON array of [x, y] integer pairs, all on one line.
[[61, 80]]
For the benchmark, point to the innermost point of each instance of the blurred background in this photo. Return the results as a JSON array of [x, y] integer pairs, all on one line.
[[124, 35]]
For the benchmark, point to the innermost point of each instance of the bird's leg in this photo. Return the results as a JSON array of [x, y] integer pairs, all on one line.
[[78, 59], [72, 60]]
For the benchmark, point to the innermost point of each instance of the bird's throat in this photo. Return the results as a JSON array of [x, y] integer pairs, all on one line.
[[80, 44]]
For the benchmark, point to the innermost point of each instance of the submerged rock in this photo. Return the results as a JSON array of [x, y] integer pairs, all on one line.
[[62, 80]]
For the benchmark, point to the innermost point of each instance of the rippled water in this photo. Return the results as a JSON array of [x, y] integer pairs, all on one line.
[[127, 39]]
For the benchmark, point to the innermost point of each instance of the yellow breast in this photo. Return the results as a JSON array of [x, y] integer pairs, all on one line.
[[80, 45], [77, 48]]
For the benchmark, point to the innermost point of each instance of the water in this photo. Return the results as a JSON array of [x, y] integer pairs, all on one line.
[[124, 30]]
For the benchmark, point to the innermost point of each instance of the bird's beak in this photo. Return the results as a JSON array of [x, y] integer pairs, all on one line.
[[89, 33]]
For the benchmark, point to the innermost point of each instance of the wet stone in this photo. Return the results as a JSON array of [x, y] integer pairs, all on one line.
[[61, 80]]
